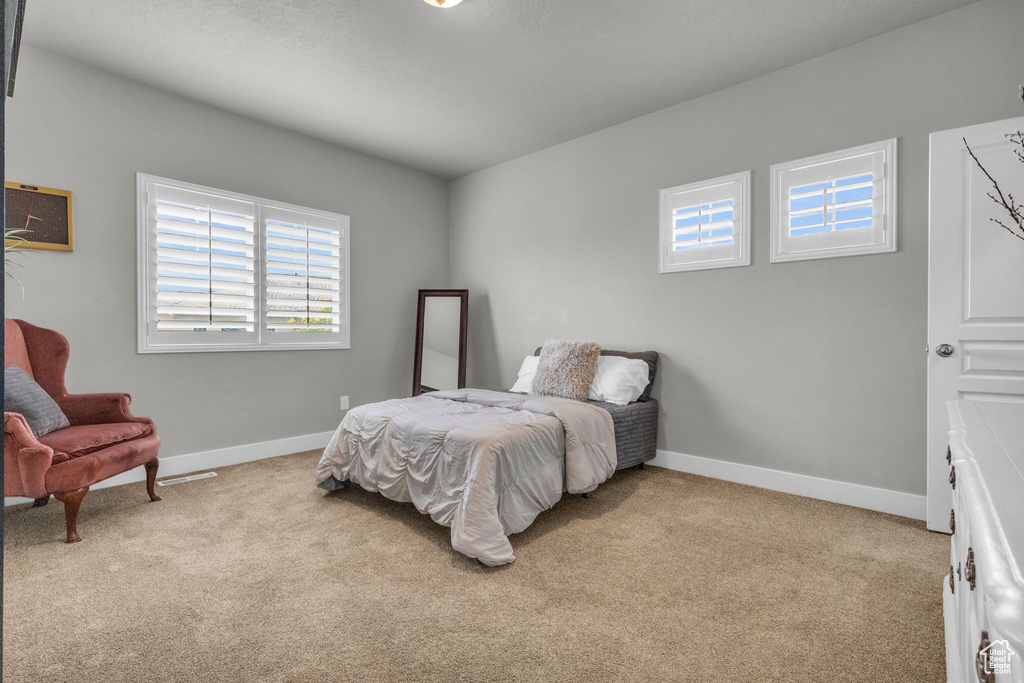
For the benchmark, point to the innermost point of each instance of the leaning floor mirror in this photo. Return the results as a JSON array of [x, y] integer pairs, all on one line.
[[441, 329]]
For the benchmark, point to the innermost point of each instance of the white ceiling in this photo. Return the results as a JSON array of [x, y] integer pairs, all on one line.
[[450, 91]]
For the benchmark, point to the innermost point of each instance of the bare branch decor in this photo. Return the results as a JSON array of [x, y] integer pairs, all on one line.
[[1006, 200]]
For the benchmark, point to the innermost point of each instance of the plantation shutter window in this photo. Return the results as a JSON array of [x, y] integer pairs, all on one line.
[[304, 269], [704, 225], [219, 271], [838, 204]]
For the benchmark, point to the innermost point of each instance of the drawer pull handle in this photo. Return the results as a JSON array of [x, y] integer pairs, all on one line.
[[970, 570], [952, 521], [951, 588], [952, 476], [949, 456], [979, 660]]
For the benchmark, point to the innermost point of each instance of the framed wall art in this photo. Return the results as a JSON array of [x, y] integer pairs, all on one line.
[[41, 217]]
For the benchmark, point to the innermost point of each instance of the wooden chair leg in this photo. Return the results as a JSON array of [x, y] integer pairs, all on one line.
[[40, 502], [72, 501], [151, 467]]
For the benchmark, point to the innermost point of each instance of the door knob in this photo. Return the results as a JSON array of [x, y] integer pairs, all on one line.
[[944, 350]]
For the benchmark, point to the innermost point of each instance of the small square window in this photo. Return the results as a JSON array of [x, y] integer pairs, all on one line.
[[704, 225], [838, 204]]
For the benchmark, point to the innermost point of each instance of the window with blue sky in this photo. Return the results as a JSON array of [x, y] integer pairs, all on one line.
[[837, 204], [704, 224]]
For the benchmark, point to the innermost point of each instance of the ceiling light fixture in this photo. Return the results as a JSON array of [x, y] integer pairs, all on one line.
[[443, 4]]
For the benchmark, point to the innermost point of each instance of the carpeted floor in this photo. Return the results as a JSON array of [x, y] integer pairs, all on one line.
[[255, 575]]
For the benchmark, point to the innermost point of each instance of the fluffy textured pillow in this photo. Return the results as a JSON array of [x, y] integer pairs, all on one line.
[[619, 380], [566, 369], [23, 395]]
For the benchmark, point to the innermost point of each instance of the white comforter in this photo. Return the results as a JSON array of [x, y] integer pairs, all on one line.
[[484, 463]]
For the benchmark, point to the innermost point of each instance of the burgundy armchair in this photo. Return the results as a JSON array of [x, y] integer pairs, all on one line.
[[104, 438]]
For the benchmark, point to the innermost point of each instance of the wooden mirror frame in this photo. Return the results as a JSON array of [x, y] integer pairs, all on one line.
[[417, 365]]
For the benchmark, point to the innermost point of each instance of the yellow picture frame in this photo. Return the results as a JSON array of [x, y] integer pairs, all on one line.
[[45, 213]]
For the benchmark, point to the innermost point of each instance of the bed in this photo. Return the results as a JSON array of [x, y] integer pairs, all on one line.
[[486, 463], [636, 423]]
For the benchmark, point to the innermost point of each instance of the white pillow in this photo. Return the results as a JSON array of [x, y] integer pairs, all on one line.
[[618, 380], [526, 372]]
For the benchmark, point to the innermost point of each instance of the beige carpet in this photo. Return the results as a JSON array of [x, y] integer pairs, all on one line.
[[255, 575]]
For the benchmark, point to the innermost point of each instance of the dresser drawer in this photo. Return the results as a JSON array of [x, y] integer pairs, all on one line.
[[983, 604]]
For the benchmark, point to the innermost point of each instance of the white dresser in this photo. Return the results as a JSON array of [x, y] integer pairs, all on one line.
[[983, 597]]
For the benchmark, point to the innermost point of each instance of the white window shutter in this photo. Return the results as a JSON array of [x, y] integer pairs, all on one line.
[[202, 276], [306, 275], [837, 204], [220, 271], [705, 225]]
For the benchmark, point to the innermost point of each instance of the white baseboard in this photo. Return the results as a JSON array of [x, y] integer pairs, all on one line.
[[857, 495], [176, 465]]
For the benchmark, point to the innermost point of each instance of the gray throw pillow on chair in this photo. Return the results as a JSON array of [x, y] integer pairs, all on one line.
[[23, 395]]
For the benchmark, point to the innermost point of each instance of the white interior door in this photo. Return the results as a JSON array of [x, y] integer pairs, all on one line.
[[975, 288]]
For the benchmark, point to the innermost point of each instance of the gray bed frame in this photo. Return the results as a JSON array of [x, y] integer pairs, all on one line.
[[636, 424]]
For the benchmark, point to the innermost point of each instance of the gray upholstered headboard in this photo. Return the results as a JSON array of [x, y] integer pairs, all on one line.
[[649, 357]]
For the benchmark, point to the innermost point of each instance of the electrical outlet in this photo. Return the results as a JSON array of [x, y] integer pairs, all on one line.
[[344, 402]]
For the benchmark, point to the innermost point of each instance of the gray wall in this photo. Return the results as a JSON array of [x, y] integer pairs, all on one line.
[[85, 130], [813, 367]]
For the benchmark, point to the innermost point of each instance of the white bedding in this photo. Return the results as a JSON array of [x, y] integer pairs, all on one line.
[[484, 463]]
